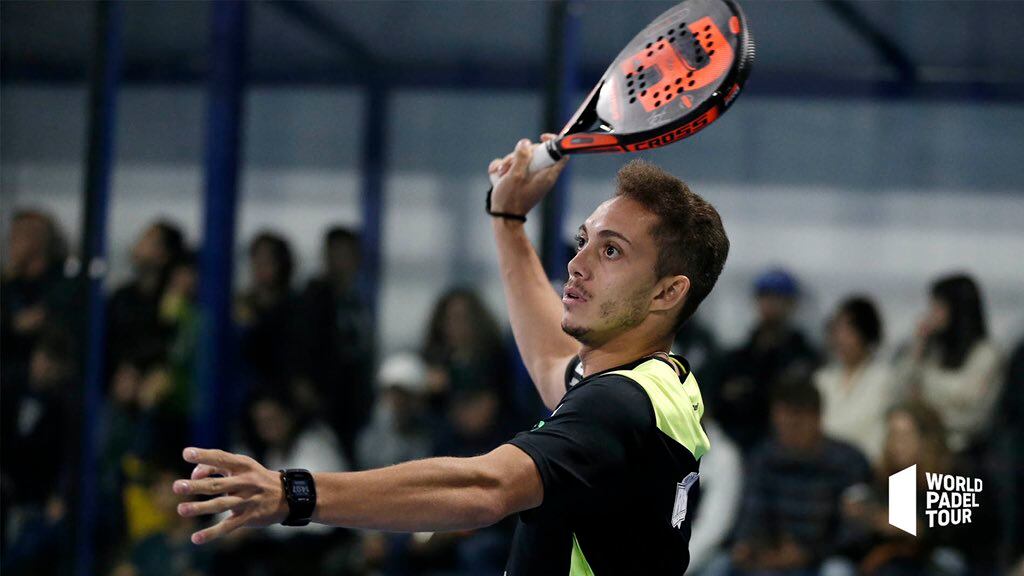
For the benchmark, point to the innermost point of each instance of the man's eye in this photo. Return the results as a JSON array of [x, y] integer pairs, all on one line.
[[580, 241], [611, 251]]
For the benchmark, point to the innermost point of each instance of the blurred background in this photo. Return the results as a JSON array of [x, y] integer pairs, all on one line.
[[259, 226]]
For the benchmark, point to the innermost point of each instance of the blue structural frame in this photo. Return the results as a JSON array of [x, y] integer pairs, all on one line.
[[372, 195], [216, 351], [563, 82], [105, 77]]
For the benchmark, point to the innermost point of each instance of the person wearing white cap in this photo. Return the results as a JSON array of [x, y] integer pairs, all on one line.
[[396, 432]]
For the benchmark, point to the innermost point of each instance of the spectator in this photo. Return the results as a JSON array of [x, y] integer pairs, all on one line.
[[338, 348], [398, 431], [160, 545], [33, 290], [791, 519], [774, 351], [266, 312], [179, 312], [951, 363], [283, 437], [1012, 449], [914, 435], [697, 343], [464, 350], [36, 462], [475, 426], [133, 316], [856, 386]]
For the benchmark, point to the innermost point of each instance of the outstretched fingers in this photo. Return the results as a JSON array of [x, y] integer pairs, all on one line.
[[232, 463], [233, 522], [215, 506], [209, 486]]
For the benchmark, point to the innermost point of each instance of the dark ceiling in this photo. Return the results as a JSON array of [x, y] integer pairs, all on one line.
[[807, 47]]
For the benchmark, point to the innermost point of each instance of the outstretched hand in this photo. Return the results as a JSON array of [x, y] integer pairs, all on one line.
[[516, 189], [251, 494]]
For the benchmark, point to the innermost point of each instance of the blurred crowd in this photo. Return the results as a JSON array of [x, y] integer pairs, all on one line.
[[804, 439]]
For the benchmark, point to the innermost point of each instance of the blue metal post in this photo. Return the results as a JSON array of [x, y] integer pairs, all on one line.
[[106, 75], [563, 80], [372, 165], [214, 368]]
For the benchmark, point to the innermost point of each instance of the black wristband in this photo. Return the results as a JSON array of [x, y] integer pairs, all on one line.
[[300, 493], [505, 215]]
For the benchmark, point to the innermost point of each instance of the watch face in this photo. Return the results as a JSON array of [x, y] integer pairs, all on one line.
[[300, 488]]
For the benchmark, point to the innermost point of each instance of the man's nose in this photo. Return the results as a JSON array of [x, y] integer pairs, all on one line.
[[577, 266]]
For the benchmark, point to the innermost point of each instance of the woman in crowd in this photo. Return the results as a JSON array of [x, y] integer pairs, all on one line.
[[914, 435], [463, 349], [266, 311], [856, 385], [952, 364]]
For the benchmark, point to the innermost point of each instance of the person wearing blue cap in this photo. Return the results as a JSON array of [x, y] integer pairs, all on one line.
[[774, 351]]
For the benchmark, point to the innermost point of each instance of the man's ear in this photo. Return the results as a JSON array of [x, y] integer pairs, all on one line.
[[671, 292]]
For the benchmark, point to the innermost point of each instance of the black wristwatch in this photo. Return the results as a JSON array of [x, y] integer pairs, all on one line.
[[300, 493]]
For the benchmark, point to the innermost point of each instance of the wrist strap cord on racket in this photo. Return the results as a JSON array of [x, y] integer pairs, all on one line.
[[505, 215]]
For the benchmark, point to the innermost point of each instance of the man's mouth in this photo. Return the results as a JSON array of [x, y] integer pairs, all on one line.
[[574, 294]]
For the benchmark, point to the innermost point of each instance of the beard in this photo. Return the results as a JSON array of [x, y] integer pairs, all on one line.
[[616, 317]]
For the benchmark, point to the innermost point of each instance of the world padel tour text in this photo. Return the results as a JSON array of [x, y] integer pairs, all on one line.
[[950, 499]]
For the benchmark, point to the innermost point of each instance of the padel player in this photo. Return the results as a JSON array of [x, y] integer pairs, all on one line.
[[603, 485]]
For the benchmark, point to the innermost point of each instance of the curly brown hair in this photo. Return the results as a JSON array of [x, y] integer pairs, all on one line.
[[690, 237]]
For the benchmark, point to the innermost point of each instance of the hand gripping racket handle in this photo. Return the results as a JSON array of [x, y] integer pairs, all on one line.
[[544, 155]]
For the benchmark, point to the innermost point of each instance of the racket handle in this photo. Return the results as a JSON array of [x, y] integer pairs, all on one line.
[[544, 155]]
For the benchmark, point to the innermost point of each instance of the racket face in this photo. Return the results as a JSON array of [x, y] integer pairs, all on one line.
[[674, 78]]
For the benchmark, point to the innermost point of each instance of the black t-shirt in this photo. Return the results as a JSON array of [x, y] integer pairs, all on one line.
[[618, 459]]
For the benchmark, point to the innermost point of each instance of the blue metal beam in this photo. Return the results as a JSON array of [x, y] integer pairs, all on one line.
[[322, 26], [767, 83], [216, 351], [105, 77], [372, 165], [559, 104]]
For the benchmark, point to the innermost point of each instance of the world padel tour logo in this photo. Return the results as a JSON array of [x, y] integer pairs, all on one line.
[[949, 500]]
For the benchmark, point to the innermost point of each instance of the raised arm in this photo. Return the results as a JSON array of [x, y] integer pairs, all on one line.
[[425, 495], [534, 308]]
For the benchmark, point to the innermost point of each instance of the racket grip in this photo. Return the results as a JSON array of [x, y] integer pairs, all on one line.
[[544, 155]]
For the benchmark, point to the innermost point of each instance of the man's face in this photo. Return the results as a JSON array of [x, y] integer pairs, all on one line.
[[611, 278], [148, 252], [28, 239], [797, 428]]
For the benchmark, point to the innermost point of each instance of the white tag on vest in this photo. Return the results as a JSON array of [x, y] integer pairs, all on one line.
[[682, 493]]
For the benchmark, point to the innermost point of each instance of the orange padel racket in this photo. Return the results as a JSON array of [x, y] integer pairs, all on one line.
[[673, 79]]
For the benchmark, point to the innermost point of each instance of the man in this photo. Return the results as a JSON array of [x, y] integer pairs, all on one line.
[[775, 351], [603, 484], [796, 482], [336, 351]]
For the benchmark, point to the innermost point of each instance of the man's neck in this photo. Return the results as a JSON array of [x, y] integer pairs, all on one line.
[[619, 351]]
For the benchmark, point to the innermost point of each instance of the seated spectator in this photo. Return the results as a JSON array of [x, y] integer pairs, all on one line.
[[464, 349], [338, 343], [914, 435], [37, 456], [398, 431], [774, 351], [133, 315], [952, 364], [721, 484], [267, 312], [284, 437], [791, 520], [856, 386], [164, 548]]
